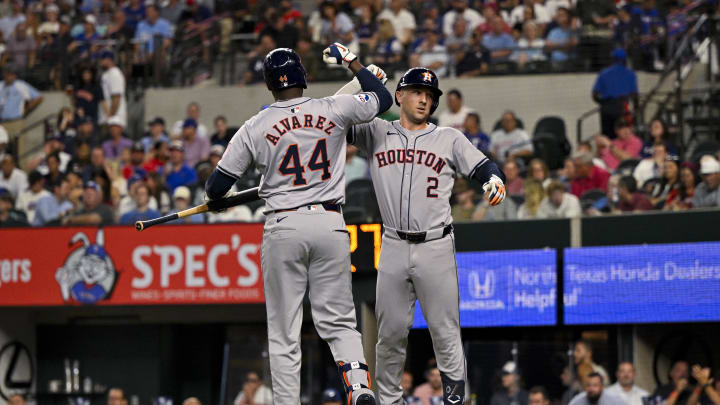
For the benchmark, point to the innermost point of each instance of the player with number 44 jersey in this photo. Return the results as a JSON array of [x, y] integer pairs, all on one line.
[[298, 144]]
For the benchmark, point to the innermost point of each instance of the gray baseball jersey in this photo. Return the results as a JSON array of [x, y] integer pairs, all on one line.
[[414, 171], [299, 147]]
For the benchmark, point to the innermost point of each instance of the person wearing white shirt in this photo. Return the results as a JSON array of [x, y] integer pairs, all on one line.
[[431, 54], [625, 386], [651, 167], [402, 20], [27, 199], [254, 387], [460, 8], [558, 203], [12, 179], [193, 111], [112, 83], [456, 112], [509, 141], [541, 14]]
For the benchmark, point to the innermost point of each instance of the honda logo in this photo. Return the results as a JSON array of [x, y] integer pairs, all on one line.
[[481, 284]]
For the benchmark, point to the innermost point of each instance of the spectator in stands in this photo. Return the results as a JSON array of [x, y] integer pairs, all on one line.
[[473, 132], [216, 153], [334, 23], [254, 74], [366, 29], [86, 97], [116, 396], [158, 192], [10, 21], [18, 99], [156, 133], [558, 204], [499, 42], [562, 39], [53, 170], [51, 25], [513, 181], [475, 60], [676, 391], [223, 133], [510, 392], [93, 211], [613, 88], [172, 10], [538, 396], [431, 54], [459, 39], [81, 157], [432, 388], [85, 42], [454, 116], [331, 396], [542, 17], [27, 199], [142, 211], [594, 393], [460, 9], [254, 392], [658, 134], [159, 155], [530, 45], [707, 193], [118, 30], [669, 185], [51, 208], [20, 50], [502, 212], [625, 387], [12, 179], [114, 146], [197, 148], [193, 111], [539, 171], [596, 13], [625, 146], [112, 83], [534, 195], [490, 11], [583, 356], [137, 160], [195, 12], [9, 216], [181, 202], [148, 29], [706, 390], [192, 400], [389, 49], [682, 199], [402, 20], [406, 383], [284, 33], [652, 167], [510, 142], [355, 166], [134, 13], [464, 206], [52, 145], [178, 173]]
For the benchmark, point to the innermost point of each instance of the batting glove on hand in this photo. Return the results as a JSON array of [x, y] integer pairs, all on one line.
[[379, 73], [496, 190], [338, 54]]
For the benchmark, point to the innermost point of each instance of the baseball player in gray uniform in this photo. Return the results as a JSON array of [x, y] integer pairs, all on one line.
[[298, 144], [413, 165]]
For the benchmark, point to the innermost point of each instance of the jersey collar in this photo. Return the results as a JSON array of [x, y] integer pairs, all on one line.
[[290, 103], [431, 127]]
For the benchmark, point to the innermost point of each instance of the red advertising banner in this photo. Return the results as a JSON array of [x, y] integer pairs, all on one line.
[[174, 264]]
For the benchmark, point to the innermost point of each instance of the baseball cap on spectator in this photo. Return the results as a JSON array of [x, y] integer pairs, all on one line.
[[115, 120], [4, 138], [619, 54], [181, 192], [107, 55], [176, 145], [137, 147], [509, 368], [331, 395], [217, 150], [709, 165], [52, 8], [190, 122], [137, 176], [91, 184], [157, 121], [90, 19]]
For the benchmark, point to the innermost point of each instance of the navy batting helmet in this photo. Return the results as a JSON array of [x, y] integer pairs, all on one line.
[[421, 77], [282, 69]]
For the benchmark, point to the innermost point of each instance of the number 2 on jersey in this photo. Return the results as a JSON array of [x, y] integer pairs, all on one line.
[[291, 166]]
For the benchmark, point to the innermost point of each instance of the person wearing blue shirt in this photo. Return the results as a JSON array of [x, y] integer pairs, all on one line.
[[178, 173], [499, 42], [134, 13], [148, 28], [50, 209], [561, 39], [181, 202], [142, 211], [614, 87], [83, 41], [17, 100], [474, 133]]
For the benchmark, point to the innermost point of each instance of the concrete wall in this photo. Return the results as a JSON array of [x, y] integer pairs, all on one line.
[[52, 102], [531, 97]]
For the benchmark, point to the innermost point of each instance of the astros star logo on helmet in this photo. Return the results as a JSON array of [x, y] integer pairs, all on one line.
[[427, 76]]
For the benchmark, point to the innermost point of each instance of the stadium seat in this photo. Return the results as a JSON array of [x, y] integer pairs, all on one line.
[[592, 197], [553, 125], [626, 167], [550, 149], [710, 147], [360, 202]]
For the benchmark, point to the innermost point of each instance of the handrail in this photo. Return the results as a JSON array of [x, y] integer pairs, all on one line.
[[29, 128], [580, 122]]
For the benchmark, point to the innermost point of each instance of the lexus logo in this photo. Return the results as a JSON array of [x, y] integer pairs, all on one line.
[[481, 284], [16, 369]]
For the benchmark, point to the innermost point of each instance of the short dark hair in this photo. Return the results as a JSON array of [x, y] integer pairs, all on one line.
[[35, 177], [621, 123], [220, 117], [629, 183], [595, 374], [455, 92], [539, 389], [474, 115]]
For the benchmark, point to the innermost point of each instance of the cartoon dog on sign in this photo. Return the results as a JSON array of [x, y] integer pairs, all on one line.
[[88, 274]]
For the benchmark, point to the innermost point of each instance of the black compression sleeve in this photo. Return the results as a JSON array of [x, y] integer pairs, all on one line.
[[218, 184], [370, 83], [483, 172]]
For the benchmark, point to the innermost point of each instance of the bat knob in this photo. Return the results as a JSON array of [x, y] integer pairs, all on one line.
[[139, 226]]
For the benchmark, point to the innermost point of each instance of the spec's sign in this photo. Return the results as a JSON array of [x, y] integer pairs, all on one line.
[[505, 288]]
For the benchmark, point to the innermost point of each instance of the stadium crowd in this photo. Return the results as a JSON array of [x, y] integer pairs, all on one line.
[[49, 43]]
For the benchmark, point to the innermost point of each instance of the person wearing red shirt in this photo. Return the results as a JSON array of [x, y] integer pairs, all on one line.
[[587, 175]]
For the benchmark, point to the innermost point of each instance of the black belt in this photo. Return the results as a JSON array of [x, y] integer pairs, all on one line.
[[328, 207], [419, 237]]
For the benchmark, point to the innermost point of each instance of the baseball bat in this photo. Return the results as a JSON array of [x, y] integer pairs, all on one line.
[[242, 197]]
